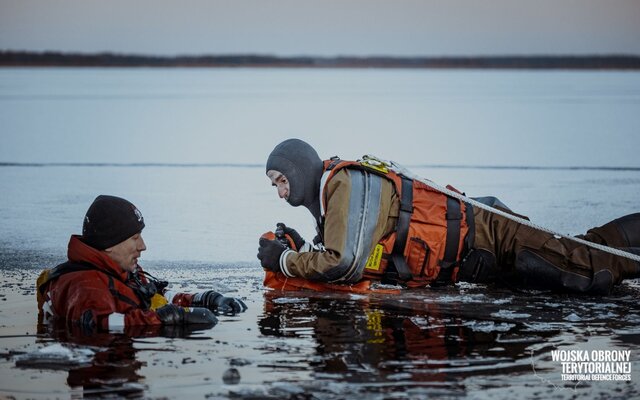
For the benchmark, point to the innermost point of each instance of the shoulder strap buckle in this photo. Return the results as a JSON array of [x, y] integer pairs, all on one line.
[[375, 163]]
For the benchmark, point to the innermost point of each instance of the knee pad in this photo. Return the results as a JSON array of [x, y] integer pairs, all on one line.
[[536, 272], [479, 267]]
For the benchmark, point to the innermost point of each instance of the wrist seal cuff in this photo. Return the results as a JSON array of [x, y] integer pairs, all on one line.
[[283, 263]]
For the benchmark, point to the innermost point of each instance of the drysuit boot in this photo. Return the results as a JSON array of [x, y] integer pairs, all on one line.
[[623, 233]]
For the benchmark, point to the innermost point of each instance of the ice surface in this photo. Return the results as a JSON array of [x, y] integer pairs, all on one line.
[[56, 356], [203, 224]]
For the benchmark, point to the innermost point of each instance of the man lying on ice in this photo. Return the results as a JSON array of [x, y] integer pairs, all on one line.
[[376, 222]]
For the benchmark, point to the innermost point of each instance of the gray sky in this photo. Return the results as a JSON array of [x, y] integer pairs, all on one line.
[[328, 27]]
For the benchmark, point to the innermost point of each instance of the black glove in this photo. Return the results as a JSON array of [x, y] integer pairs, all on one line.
[[172, 314], [298, 241], [217, 303], [269, 254]]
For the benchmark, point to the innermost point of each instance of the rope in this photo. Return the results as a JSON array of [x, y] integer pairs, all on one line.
[[404, 171]]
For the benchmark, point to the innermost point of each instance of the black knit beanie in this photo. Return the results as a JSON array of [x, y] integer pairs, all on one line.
[[110, 220]]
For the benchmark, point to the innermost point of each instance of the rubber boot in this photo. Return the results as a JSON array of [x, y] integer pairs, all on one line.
[[629, 227], [621, 232], [479, 267]]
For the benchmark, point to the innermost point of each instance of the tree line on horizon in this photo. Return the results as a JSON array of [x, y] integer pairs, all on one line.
[[59, 59]]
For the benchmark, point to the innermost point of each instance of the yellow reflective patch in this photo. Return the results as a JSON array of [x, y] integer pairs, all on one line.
[[375, 166], [375, 163], [374, 259], [374, 326], [158, 301], [42, 279]]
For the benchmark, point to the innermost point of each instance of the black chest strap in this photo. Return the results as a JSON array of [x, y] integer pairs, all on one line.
[[399, 265], [450, 259], [63, 269]]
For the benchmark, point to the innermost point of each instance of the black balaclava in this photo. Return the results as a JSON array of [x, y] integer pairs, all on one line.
[[302, 166]]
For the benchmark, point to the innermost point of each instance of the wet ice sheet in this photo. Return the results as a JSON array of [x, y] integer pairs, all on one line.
[[463, 342], [56, 356]]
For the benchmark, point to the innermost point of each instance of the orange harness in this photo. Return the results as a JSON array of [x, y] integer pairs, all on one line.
[[432, 234], [429, 240]]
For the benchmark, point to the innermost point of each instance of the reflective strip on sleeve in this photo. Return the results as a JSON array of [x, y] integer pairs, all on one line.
[[306, 247], [283, 263]]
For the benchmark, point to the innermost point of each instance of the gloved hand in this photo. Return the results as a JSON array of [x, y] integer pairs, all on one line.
[[172, 314], [218, 303], [269, 254], [298, 241]]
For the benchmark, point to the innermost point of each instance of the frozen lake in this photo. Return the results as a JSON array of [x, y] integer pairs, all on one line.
[[216, 214], [460, 117], [469, 341], [203, 222]]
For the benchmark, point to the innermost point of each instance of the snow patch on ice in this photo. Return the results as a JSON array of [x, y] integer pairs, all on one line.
[[573, 317], [462, 298], [56, 356], [290, 300], [489, 326], [503, 301], [509, 314]]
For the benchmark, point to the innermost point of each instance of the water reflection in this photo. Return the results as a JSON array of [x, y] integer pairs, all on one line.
[[113, 370], [390, 340]]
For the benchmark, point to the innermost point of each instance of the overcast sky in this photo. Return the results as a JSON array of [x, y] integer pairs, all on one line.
[[328, 27]]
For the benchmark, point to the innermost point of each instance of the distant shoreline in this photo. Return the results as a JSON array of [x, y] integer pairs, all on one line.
[[59, 59], [250, 165]]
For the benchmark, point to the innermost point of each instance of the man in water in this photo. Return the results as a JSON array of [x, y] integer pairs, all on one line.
[[102, 287], [376, 223]]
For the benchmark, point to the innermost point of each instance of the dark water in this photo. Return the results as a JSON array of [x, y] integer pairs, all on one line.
[[454, 341], [467, 341]]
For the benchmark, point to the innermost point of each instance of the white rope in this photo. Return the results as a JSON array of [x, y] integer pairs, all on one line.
[[404, 171]]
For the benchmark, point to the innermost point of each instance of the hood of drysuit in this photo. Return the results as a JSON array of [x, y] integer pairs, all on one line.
[[78, 251], [302, 166]]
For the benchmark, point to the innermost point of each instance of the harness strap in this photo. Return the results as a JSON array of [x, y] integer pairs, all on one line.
[[449, 260], [611, 250], [75, 266], [335, 160], [402, 231], [471, 233], [122, 297], [62, 269]]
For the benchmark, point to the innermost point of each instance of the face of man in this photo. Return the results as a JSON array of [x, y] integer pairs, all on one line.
[[280, 182], [126, 253]]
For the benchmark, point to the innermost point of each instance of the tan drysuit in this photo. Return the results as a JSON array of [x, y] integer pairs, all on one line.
[[502, 250]]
